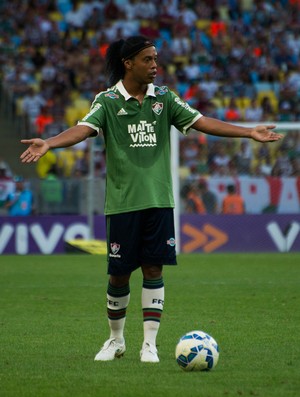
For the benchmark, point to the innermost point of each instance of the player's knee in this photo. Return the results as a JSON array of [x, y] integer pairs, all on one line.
[[152, 272], [119, 281]]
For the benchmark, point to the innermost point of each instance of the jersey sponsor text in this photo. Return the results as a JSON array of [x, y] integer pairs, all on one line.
[[142, 134]]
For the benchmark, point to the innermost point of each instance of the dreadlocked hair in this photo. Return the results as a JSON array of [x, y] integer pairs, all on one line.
[[114, 67], [121, 50]]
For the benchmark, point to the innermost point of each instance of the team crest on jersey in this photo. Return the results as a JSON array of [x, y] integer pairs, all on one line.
[[112, 95], [157, 108]]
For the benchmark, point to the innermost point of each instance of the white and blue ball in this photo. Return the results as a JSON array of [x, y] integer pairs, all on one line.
[[197, 351]]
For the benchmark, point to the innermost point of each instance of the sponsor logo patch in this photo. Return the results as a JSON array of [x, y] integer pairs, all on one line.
[[142, 134], [111, 95], [92, 111], [121, 112], [185, 105], [161, 90], [171, 242]]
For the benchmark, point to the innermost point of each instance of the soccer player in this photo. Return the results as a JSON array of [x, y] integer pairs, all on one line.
[[135, 117]]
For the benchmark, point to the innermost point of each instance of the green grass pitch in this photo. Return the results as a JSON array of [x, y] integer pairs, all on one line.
[[53, 322]]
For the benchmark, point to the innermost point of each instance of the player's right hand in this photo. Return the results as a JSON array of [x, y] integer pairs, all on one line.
[[38, 147]]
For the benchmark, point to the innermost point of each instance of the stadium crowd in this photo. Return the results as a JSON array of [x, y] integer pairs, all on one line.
[[234, 60]]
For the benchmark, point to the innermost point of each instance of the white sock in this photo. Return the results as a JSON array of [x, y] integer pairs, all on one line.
[[152, 303], [117, 302]]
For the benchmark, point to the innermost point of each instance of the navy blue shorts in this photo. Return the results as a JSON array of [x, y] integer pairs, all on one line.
[[145, 237]]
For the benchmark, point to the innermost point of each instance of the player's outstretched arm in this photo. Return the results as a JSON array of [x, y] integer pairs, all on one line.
[[38, 147], [261, 133]]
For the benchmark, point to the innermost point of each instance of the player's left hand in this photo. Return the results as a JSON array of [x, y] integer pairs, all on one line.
[[264, 133], [37, 148]]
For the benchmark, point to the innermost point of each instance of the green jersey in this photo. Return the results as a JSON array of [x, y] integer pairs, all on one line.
[[137, 140]]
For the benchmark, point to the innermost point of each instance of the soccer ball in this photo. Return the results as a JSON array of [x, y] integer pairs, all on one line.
[[197, 351]]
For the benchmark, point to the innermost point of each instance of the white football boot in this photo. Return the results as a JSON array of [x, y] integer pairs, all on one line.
[[110, 350], [149, 353]]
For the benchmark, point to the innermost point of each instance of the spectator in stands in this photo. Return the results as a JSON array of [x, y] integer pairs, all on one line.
[[233, 203], [112, 11], [146, 9], [193, 174], [180, 26], [232, 112], [262, 164], [55, 126], [263, 167], [268, 109], [221, 160], [20, 203], [48, 71], [192, 69], [82, 164], [76, 17], [166, 18], [199, 100], [6, 170], [285, 111], [294, 76], [209, 85], [180, 46], [295, 162], [208, 198], [282, 166], [46, 164], [293, 42], [66, 160], [193, 200], [190, 151], [292, 142], [16, 83], [43, 119], [32, 105], [149, 28], [186, 14], [88, 8], [202, 164], [6, 186], [51, 192], [243, 158], [254, 111], [3, 174], [165, 55], [218, 27]]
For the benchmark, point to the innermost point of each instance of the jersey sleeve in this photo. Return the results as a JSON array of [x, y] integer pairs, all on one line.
[[95, 118], [183, 116]]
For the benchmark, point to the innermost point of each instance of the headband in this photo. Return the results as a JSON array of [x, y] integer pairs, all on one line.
[[134, 49]]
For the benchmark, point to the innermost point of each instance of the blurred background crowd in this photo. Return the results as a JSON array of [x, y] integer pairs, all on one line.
[[235, 60]]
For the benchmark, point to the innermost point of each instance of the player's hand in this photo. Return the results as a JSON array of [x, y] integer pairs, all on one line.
[[264, 133], [38, 147]]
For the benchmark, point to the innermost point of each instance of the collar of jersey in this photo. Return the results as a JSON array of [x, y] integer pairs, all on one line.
[[126, 95]]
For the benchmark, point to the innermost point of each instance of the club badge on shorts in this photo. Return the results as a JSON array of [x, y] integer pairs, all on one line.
[[114, 247]]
